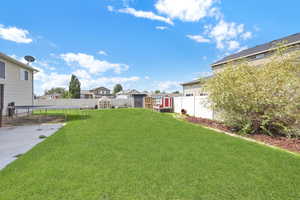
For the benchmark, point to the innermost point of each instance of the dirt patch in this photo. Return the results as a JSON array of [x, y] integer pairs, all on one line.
[[290, 144], [32, 120], [209, 123]]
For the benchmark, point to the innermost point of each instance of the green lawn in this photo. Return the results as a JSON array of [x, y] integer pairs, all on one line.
[[142, 155]]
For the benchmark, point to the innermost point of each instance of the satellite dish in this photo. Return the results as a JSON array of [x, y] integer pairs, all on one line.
[[29, 59]]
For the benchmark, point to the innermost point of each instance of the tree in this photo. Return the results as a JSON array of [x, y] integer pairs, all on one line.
[[176, 92], [157, 91], [57, 90], [117, 88], [264, 99], [74, 88]]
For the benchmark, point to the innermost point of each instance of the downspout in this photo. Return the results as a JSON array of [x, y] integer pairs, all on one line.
[[32, 82]]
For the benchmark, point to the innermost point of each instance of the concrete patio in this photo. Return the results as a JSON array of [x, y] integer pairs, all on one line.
[[18, 140]]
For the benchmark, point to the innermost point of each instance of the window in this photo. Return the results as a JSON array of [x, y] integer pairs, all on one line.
[[259, 56], [24, 75], [2, 70]]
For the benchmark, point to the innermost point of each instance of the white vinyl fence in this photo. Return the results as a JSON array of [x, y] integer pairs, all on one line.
[[197, 106], [91, 103], [66, 102]]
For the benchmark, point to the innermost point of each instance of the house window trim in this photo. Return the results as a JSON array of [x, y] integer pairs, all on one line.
[[22, 75], [5, 71]]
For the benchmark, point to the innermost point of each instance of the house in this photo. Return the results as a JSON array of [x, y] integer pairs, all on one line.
[[16, 83], [260, 54], [255, 56], [194, 88], [101, 92], [96, 93], [86, 94]]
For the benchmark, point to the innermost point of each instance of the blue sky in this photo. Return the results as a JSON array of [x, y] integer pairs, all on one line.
[[145, 45]]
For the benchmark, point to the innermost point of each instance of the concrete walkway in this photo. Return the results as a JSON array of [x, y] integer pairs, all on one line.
[[18, 140]]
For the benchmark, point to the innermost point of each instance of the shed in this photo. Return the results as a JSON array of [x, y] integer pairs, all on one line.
[[104, 103], [138, 100]]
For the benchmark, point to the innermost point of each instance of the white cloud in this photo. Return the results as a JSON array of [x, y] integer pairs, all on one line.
[[161, 27], [147, 77], [186, 10], [110, 8], [18, 58], [47, 81], [107, 81], [14, 34], [92, 64], [233, 45], [82, 74], [198, 38], [146, 15], [102, 53], [227, 34], [168, 86], [246, 35]]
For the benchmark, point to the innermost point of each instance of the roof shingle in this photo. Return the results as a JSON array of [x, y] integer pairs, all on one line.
[[260, 48]]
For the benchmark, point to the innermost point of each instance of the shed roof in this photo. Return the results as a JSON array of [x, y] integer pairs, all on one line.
[[289, 40]]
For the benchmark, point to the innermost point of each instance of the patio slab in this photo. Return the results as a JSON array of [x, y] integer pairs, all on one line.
[[18, 140]]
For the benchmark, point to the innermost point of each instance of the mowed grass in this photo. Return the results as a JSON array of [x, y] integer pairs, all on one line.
[[142, 155]]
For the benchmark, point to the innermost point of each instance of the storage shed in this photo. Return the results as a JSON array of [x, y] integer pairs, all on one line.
[[135, 98], [163, 103]]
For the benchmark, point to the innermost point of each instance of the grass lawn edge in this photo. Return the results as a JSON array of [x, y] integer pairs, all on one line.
[[174, 115]]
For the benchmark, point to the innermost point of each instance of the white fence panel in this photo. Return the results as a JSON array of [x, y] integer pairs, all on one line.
[[121, 102], [81, 102], [66, 102], [197, 106]]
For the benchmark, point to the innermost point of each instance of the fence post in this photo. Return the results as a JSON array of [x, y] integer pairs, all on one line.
[[194, 106]]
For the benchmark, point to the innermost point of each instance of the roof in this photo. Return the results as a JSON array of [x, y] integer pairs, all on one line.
[[289, 40], [10, 59], [128, 92], [100, 88], [198, 81], [191, 82], [165, 95]]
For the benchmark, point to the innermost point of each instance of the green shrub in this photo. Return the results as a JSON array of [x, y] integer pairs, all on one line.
[[263, 99]]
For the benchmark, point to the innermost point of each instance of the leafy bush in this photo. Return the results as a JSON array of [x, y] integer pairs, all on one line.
[[264, 99]]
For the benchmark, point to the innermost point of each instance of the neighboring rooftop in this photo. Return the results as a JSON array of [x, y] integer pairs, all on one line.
[[198, 81], [128, 92], [289, 40], [100, 88], [10, 59]]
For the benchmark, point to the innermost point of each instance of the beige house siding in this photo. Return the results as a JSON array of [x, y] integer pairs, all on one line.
[[15, 89], [193, 90]]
